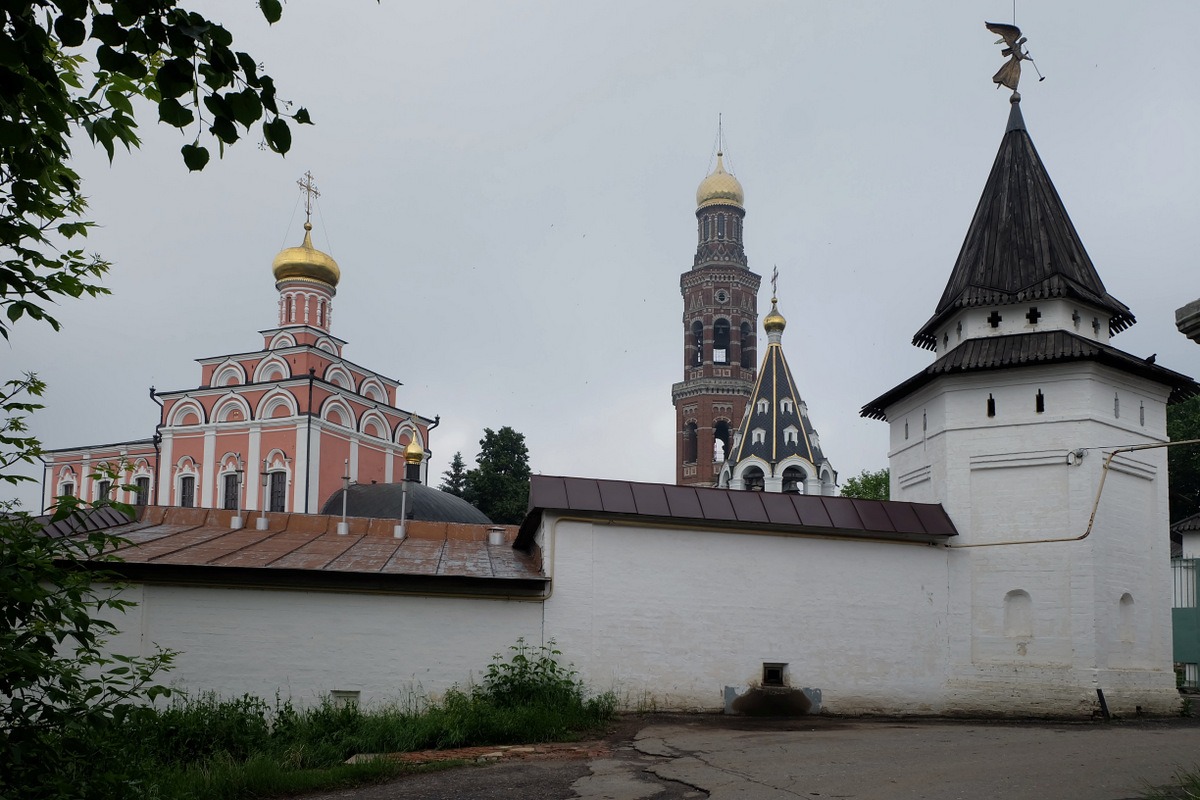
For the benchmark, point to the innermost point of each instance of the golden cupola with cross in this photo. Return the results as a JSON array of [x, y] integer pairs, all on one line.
[[305, 277]]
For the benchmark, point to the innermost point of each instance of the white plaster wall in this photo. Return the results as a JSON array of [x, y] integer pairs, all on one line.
[[305, 644], [1007, 479], [667, 618]]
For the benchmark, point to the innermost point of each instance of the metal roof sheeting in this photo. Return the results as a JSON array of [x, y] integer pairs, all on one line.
[[726, 508]]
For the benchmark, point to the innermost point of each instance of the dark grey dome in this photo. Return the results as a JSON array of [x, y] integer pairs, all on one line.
[[382, 501]]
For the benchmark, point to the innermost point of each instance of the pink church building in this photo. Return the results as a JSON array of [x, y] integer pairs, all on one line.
[[274, 428]]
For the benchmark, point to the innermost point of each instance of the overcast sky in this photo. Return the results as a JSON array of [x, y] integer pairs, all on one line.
[[509, 189]]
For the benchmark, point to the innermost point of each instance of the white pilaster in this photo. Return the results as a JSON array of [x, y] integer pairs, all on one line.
[[208, 469]]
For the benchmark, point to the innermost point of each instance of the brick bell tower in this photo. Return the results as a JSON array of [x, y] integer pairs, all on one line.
[[720, 332]]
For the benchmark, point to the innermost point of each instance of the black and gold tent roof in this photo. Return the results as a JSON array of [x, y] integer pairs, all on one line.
[[775, 385], [1021, 245]]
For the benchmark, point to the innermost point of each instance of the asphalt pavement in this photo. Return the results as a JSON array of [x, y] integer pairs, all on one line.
[[674, 757]]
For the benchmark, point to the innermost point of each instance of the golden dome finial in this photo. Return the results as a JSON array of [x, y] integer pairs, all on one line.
[[306, 263], [774, 321], [413, 454], [720, 188]]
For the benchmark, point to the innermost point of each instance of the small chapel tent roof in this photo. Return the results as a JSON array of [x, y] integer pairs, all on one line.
[[1042, 347], [737, 511], [1021, 245], [197, 546], [383, 500], [1187, 524]]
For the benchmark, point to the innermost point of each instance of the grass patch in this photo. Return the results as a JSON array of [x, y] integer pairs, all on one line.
[[206, 746]]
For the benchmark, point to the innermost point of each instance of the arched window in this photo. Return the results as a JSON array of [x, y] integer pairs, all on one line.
[[689, 443], [707, 228], [278, 492], [793, 480], [187, 491], [747, 346], [754, 480], [721, 441], [1018, 614], [698, 343], [1125, 625], [721, 341], [720, 226]]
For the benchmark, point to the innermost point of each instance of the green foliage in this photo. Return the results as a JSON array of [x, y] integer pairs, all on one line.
[[205, 746], [499, 484], [454, 480], [174, 58], [869, 485], [1183, 462]]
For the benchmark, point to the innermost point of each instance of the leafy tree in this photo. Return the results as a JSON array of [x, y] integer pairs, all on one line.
[[1183, 462], [499, 484], [869, 485], [156, 50], [64, 702], [454, 480]]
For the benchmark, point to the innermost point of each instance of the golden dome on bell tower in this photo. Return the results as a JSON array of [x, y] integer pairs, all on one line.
[[306, 263], [720, 188], [774, 321]]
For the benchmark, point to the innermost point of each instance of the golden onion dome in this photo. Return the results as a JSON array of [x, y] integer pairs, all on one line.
[[720, 188], [306, 263], [413, 454], [774, 322]]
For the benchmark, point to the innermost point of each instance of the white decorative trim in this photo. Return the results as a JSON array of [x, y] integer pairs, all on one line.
[[269, 365], [230, 401], [281, 340], [272, 400], [914, 477], [339, 376], [373, 389], [224, 370], [380, 422], [1035, 458], [184, 407], [344, 410]]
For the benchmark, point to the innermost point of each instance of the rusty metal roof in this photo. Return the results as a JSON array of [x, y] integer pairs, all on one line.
[[841, 517], [197, 545], [1017, 349]]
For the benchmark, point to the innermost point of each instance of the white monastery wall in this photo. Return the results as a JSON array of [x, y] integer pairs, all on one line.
[[668, 618], [305, 644]]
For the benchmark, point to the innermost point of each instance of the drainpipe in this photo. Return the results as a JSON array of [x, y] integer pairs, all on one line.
[[312, 374], [437, 420], [43, 500], [157, 441]]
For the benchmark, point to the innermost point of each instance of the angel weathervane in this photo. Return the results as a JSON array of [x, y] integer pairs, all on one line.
[[1010, 74]]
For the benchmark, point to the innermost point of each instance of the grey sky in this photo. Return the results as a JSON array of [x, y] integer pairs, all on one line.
[[509, 190]]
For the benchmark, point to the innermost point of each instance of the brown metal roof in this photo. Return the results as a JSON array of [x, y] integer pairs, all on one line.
[[726, 508], [186, 545], [1021, 245], [1016, 349]]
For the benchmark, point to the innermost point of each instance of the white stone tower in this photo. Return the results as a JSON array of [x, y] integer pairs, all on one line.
[[1009, 428]]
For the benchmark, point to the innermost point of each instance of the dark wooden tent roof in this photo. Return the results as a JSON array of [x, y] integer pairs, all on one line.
[[1021, 245]]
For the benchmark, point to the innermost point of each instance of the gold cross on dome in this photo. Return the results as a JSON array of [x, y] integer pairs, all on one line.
[[310, 193], [774, 282]]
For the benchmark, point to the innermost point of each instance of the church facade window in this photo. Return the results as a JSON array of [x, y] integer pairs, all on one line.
[[230, 491], [278, 491], [141, 495], [1018, 614], [720, 226], [762, 406], [187, 491]]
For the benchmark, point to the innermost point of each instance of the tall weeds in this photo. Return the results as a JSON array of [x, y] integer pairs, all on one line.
[[205, 746]]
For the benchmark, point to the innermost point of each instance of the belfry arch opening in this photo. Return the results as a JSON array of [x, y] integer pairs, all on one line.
[[689, 443], [697, 343], [721, 439], [793, 480], [747, 346], [754, 480], [721, 341]]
